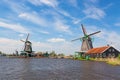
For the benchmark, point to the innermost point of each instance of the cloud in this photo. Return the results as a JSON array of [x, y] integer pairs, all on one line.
[[34, 18], [76, 21], [15, 6], [94, 1], [105, 37], [61, 26], [117, 24], [44, 32], [112, 39], [58, 24], [56, 40], [9, 45], [14, 27], [52, 3], [56, 10], [108, 6], [73, 3], [21, 35], [60, 46], [94, 13]]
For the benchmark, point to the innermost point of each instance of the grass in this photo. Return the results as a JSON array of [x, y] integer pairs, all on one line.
[[112, 61]]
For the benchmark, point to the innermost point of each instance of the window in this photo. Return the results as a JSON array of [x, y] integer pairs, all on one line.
[[101, 55], [109, 50], [104, 54], [113, 50], [113, 55], [97, 55]]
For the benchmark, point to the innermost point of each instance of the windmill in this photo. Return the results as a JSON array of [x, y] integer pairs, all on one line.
[[86, 40], [27, 50]]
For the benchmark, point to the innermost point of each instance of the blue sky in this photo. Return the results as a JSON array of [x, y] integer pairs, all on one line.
[[52, 24]]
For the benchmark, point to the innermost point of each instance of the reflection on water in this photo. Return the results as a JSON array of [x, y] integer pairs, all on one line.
[[56, 69]]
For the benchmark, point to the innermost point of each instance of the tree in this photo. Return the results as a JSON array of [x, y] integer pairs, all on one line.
[[46, 54], [53, 54], [0, 52], [61, 55]]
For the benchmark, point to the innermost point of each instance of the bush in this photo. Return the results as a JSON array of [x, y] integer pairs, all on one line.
[[119, 56]]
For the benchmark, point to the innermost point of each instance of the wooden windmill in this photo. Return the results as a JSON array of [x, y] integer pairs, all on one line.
[[86, 40], [27, 50]]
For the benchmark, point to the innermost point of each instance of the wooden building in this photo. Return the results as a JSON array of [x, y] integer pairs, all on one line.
[[103, 52]]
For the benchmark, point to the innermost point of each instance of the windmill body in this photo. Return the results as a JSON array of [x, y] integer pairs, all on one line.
[[86, 44], [27, 50], [86, 40], [28, 47]]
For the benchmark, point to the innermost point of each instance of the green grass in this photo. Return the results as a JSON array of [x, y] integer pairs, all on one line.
[[111, 61]]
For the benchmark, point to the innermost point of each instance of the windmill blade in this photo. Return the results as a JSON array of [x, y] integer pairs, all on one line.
[[76, 39], [94, 33], [83, 29], [27, 37], [22, 40]]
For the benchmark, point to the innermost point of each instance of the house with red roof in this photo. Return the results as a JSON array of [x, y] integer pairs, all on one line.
[[103, 52]]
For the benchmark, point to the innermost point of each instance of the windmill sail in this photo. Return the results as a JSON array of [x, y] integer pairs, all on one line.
[[27, 37], [77, 39], [94, 33], [83, 29], [86, 40]]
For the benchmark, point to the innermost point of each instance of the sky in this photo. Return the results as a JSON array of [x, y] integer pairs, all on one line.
[[52, 24]]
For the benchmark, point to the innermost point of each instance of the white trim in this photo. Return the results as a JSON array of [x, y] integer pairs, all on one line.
[[106, 49]]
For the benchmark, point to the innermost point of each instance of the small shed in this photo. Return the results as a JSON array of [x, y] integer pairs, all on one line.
[[103, 52]]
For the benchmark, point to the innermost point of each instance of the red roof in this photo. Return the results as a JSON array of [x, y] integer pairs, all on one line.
[[97, 50]]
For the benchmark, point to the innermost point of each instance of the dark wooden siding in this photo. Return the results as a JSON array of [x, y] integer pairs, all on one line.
[[111, 52]]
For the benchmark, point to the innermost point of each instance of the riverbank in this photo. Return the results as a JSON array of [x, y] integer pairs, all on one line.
[[111, 61]]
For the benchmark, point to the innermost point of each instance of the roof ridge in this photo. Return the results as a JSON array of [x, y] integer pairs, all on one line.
[[101, 49], [106, 49]]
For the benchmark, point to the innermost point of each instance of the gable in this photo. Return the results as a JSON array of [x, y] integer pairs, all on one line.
[[112, 50]]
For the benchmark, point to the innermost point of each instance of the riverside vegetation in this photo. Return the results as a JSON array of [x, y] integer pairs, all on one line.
[[112, 61]]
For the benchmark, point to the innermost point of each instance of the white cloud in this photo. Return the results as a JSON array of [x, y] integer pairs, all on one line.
[[52, 3], [44, 32], [108, 6], [10, 45], [21, 35], [73, 3], [56, 40], [15, 6], [34, 18], [105, 37], [61, 26], [94, 13], [63, 13], [112, 39], [15, 27], [58, 24], [117, 24], [94, 1], [76, 21]]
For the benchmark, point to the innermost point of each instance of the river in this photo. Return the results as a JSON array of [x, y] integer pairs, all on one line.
[[56, 69]]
